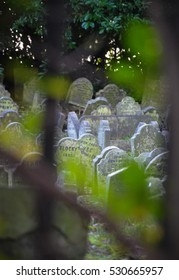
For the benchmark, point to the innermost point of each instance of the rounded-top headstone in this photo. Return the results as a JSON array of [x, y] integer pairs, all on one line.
[[80, 91]]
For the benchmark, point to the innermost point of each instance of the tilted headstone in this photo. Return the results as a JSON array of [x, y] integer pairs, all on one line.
[[113, 94], [18, 140], [95, 161], [85, 127], [93, 104], [80, 92], [113, 160], [104, 134], [153, 154], [8, 117], [6, 103], [102, 110], [158, 167], [128, 106], [115, 188], [73, 125], [146, 139]]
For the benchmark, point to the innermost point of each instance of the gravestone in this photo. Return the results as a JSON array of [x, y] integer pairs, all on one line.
[[67, 151], [6, 103], [95, 161], [153, 154], [113, 94], [93, 104], [80, 92], [113, 160], [89, 149], [158, 166], [128, 106], [84, 128], [102, 110], [151, 111], [146, 139], [104, 134], [72, 125], [115, 188], [18, 140], [8, 117]]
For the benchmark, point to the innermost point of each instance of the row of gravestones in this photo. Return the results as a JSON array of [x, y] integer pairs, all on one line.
[[104, 129]]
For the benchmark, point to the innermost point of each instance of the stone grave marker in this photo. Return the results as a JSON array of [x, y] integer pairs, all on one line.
[[115, 188], [84, 128], [6, 103], [80, 92], [93, 104], [146, 139], [8, 117], [113, 94], [128, 106], [158, 166], [95, 161], [104, 134], [102, 110], [72, 125], [153, 154], [18, 140], [113, 160]]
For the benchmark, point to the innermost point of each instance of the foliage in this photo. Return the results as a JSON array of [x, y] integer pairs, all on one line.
[[24, 25]]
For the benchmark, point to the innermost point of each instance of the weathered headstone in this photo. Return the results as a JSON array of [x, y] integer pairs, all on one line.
[[8, 117], [6, 103], [113, 94], [18, 140], [80, 91], [104, 134], [102, 110], [128, 106], [113, 160], [73, 125], [158, 167], [67, 151], [95, 161], [93, 104], [146, 139], [115, 187], [151, 111], [153, 154]]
